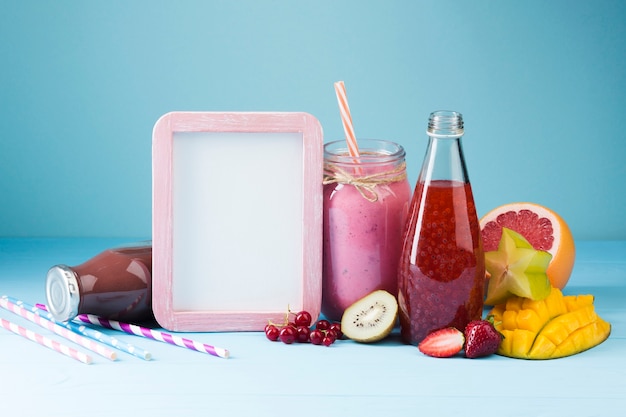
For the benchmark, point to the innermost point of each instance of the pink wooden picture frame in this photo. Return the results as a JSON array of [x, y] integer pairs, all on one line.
[[237, 219]]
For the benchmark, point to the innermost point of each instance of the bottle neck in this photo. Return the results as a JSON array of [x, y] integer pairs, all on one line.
[[444, 161], [444, 157]]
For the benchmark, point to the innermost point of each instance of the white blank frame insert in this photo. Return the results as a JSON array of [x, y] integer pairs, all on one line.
[[237, 219]]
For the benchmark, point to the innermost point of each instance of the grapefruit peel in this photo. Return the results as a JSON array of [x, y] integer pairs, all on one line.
[[533, 221], [516, 268]]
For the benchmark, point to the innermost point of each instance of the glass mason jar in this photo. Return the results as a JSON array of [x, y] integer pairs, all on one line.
[[442, 268], [365, 207]]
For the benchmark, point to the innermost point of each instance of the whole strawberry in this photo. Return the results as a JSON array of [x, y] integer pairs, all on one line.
[[481, 339]]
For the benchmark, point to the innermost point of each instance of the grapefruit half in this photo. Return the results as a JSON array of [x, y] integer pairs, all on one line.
[[543, 228]]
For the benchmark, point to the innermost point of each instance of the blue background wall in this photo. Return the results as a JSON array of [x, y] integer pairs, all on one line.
[[542, 86]]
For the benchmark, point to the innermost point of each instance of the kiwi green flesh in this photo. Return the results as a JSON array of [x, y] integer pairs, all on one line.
[[371, 318]]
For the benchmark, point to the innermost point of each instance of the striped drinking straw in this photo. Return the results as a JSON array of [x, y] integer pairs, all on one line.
[[41, 309], [45, 341], [346, 119], [16, 308], [155, 335]]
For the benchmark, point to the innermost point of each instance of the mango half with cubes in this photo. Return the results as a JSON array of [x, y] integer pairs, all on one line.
[[554, 327]]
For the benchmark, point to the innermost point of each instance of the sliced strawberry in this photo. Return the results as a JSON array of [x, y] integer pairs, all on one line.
[[442, 343], [481, 338]]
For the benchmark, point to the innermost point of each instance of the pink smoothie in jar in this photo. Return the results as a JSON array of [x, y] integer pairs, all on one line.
[[366, 203]]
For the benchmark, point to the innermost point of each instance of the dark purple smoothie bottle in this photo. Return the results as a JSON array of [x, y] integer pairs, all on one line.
[[115, 284]]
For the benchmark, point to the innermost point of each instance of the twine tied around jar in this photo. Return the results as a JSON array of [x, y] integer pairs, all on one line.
[[365, 184]]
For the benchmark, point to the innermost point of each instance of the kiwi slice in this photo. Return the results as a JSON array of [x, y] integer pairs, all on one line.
[[371, 318]]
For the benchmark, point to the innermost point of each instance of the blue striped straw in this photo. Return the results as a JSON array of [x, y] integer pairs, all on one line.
[[87, 331]]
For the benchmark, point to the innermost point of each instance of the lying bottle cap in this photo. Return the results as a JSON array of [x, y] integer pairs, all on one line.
[[62, 292]]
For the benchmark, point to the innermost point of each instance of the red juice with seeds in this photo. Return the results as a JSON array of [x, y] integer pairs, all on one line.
[[442, 270]]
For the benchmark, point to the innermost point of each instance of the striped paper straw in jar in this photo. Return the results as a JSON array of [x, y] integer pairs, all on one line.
[[346, 119]]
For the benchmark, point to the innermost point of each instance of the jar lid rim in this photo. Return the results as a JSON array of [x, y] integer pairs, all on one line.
[[371, 151]]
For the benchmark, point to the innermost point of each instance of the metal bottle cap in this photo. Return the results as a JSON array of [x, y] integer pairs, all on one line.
[[62, 292]]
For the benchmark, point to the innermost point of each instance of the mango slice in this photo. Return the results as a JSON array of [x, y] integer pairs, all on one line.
[[554, 327]]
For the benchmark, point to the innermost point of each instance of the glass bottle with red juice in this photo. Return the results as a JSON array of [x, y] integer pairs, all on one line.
[[442, 267]]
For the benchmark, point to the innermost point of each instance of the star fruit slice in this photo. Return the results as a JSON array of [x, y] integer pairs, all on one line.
[[516, 268]]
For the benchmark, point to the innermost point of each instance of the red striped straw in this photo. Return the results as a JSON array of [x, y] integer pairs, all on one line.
[[47, 342], [346, 119]]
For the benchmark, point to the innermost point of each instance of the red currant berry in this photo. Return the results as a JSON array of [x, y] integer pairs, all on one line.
[[327, 341], [303, 318], [288, 334], [303, 334], [316, 336], [336, 327], [272, 332], [322, 325], [331, 334]]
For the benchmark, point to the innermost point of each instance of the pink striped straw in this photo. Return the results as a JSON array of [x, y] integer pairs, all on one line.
[[155, 335], [346, 119], [47, 342], [61, 331]]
